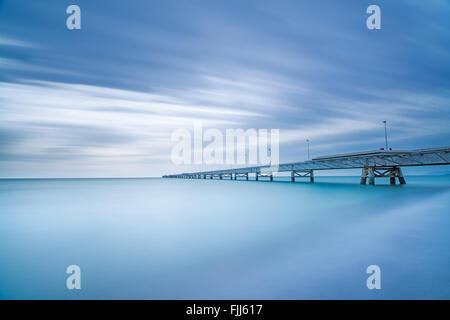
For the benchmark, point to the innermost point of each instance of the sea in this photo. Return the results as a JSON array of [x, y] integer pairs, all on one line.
[[153, 238]]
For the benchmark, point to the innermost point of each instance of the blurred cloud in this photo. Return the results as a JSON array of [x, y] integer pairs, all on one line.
[[104, 100], [6, 41]]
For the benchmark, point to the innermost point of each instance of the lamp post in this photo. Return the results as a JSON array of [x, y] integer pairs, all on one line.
[[307, 141], [385, 135]]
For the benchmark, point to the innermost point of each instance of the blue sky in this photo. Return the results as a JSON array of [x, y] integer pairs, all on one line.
[[103, 101]]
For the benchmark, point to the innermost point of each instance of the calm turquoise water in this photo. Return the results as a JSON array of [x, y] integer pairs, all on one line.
[[202, 239]]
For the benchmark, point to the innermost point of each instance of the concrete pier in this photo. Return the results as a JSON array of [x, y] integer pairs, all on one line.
[[373, 165]]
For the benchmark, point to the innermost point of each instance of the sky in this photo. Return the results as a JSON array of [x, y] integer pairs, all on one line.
[[103, 101]]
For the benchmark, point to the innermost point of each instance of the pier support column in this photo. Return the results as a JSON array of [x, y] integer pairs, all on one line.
[[382, 172], [401, 179], [302, 174], [256, 177], [392, 177], [246, 176], [235, 176], [371, 176], [364, 174], [220, 177], [271, 177]]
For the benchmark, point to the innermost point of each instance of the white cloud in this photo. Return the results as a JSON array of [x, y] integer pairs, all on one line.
[[7, 41], [74, 128]]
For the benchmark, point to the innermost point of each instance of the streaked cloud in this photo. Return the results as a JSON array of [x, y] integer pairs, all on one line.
[[6, 41], [104, 101]]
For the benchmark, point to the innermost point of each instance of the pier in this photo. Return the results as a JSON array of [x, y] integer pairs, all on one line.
[[373, 164]]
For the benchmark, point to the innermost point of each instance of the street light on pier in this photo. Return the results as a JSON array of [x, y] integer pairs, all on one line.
[[307, 142], [385, 135]]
